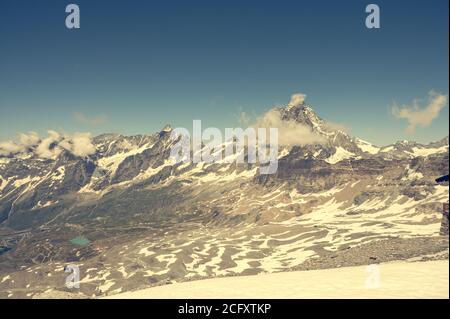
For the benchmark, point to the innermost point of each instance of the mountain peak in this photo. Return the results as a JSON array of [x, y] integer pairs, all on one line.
[[291, 106], [167, 128], [301, 113]]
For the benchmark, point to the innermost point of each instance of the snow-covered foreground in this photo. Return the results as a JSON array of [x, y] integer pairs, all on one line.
[[391, 280]]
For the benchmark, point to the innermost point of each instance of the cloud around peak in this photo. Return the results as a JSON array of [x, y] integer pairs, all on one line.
[[289, 132]]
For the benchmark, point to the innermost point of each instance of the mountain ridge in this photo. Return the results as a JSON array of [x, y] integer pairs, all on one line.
[[157, 220]]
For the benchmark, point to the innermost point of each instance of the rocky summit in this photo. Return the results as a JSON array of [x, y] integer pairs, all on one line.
[[130, 217]]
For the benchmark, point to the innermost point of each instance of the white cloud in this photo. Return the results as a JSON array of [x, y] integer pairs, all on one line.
[[26, 140], [48, 147], [297, 99], [90, 120], [417, 116], [9, 147], [79, 144], [289, 132], [29, 139], [332, 126]]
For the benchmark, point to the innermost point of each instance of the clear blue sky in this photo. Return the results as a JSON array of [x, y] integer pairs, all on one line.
[[147, 63]]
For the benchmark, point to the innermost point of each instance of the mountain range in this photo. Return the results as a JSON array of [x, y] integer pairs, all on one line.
[[131, 217]]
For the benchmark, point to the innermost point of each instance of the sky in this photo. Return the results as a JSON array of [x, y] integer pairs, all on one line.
[[135, 66]]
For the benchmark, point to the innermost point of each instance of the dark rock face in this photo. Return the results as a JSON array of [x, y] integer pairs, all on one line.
[[77, 174], [444, 223], [155, 155], [4, 249]]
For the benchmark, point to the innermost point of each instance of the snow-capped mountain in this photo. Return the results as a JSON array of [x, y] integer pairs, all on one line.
[[148, 219], [343, 146]]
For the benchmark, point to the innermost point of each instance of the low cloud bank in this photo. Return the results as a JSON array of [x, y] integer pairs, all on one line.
[[79, 144]]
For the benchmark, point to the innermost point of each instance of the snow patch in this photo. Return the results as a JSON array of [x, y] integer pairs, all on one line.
[[112, 163], [429, 151], [396, 280], [339, 155], [367, 147]]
